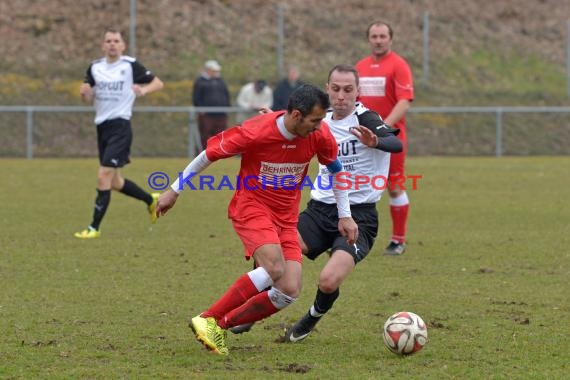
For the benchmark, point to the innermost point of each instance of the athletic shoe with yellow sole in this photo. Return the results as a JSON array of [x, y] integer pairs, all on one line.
[[152, 208], [87, 233], [212, 336]]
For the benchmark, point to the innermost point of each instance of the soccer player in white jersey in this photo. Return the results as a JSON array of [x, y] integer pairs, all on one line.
[[365, 143], [112, 83]]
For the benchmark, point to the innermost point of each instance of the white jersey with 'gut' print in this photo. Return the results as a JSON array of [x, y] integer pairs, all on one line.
[[112, 85], [359, 161]]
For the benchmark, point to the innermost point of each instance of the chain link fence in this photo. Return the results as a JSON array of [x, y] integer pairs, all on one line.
[[45, 131]]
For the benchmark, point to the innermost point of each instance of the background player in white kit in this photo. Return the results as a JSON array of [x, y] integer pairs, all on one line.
[[112, 83]]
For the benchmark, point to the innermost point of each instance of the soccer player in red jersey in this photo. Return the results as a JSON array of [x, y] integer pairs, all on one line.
[[386, 86], [276, 149]]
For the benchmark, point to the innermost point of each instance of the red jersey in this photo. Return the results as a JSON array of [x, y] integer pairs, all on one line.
[[273, 165], [384, 82]]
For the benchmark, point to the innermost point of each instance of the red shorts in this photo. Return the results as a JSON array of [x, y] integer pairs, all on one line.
[[255, 227], [398, 160]]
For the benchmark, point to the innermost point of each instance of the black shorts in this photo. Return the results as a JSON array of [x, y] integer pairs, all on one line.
[[318, 226], [114, 138]]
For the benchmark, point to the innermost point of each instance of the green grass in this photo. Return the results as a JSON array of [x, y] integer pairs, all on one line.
[[494, 75], [487, 267]]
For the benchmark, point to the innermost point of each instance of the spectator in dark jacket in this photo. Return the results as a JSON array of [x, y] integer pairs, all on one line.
[[285, 87], [210, 90]]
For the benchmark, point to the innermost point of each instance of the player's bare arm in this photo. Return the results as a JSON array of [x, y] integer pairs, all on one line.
[[165, 202], [398, 112], [349, 229], [142, 90], [86, 92]]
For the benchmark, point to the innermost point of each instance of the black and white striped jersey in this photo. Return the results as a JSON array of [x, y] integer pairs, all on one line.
[[112, 86], [360, 163]]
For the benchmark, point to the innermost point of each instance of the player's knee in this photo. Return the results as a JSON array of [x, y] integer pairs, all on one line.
[[329, 283], [330, 279], [291, 289], [280, 299], [276, 269], [105, 171], [117, 183], [105, 177]]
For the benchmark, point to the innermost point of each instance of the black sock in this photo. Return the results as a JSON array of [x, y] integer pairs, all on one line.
[[101, 203], [133, 190], [324, 301]]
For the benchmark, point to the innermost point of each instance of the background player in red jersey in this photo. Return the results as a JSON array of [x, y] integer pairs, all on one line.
[[276, 149], [386, 86]]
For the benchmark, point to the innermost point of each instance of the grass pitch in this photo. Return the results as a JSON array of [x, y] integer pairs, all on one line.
[[487, 268]]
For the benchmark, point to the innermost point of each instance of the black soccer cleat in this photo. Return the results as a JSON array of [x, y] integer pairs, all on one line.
[[302, 328], [395, 249], [240, 329]]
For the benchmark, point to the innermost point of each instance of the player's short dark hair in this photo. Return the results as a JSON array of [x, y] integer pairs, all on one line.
[[306, 97], [378, 23], [344, 69], [112, 29]]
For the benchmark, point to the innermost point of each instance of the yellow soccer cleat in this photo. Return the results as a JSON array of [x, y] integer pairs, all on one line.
[[212, 336], [88, 234], [152, 207]]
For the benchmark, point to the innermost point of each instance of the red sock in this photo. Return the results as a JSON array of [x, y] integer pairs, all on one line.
[[257, 308], [237, 294], [399, 221]]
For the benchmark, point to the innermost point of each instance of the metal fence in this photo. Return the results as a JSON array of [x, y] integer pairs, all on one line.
[[431, 131]]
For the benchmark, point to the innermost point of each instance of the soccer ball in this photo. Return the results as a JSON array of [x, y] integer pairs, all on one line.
[[405, 333]]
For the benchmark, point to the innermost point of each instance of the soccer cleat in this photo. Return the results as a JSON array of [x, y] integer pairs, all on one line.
[[212, 336], [221, 336], [395, 249], [152, 207], [302, 328], [241, 328], [88, 233]]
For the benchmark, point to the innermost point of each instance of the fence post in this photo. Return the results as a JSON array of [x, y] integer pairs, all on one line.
[[133, 28], [426, 48], [568, 57], [191, 124], [499, 133], [280, 41], [194, 141], [29, 133]]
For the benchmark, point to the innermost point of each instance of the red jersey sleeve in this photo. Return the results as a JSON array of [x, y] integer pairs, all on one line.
[[403, 81], [327, 148], [228, 143]]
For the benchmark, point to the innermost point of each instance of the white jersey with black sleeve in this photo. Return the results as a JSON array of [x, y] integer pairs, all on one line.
[[112, 86], [368, 166]]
